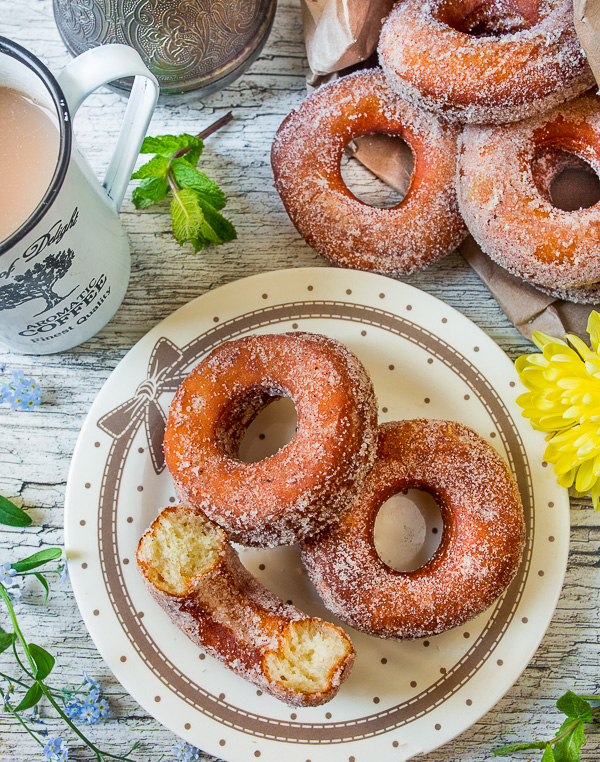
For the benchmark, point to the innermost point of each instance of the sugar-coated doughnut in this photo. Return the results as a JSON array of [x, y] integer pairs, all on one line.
[[306, 156], [480, 547], [504, 180], [302, 487], [198, 579], [493, 61]]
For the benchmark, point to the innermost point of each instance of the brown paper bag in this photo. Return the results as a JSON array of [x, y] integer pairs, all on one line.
[[339, 35]]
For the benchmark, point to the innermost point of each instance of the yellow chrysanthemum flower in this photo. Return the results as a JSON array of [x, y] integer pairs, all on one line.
[[564, 400]]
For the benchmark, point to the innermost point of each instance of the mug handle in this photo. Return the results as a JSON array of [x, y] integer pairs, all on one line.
[[97, 67]]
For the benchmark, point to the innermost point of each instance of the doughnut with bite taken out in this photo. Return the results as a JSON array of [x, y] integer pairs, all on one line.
[[196, 576]]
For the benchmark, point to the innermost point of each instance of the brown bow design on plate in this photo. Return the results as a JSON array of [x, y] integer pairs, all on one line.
[[143, 406]]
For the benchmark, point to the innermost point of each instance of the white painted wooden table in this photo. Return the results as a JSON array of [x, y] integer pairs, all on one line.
[[36, 447]]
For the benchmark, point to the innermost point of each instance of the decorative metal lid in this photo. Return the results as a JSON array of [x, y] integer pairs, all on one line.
[[193, 47]]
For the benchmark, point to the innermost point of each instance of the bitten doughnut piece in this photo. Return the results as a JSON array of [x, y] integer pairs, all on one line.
[[480, 548], [484, 61], [198, 579], [504, 180], [306, 156], [303, 486]]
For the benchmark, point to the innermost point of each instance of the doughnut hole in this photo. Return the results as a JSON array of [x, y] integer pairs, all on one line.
[[273, 428], [564, 179], [257, 424], [311, 653], [408, 529], [488, 18], [386, 184], [180, 545]]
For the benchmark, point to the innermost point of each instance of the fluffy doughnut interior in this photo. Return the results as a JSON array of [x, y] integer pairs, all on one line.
[[311, 653], [180, 545]]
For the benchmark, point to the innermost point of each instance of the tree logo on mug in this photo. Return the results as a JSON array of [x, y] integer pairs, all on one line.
[[37, 282]]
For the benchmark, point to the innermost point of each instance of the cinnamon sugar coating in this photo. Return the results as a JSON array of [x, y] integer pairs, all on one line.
[[504, 182], [306, 156], [484, 62], [480, 548], [195, 575], [302, 487]]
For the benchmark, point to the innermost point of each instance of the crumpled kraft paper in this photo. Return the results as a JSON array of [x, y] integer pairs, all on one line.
[[340, 35]]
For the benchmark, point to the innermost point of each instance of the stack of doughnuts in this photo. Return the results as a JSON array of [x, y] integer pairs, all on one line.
[[323, 491], [493, 100]]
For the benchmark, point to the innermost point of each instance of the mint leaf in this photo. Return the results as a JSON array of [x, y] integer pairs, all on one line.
[[220, 224], [168, 144], [43, 661], [187, 176], [30, 699], [574, 706], [11, 515], [150, 192], [566, 749], [193, 154], [548, 755], [186, 216], [153, 168], [37, 559]]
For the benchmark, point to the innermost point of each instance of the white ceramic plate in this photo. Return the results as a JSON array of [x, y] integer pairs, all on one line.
[[426, 360]]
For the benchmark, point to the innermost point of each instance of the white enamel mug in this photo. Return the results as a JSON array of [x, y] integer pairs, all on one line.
[[65, 270]]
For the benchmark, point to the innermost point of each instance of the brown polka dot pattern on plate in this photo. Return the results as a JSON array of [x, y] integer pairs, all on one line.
[[222, 742], [376, 699], [413, 683], [96, 444], [187, 726], [328, 715], [215, 319], [125, 561], [123, 658], [82, 522], [409, 307], [382, 296], [140, 450], [140, 488], [157, 699], [468, 702], [130, 519], [363, 333], [265, 296], [293, 716], [541, 573], [310, 288], [84, 565], [499, 662], [87, 485], [438, 726], [96, 612]]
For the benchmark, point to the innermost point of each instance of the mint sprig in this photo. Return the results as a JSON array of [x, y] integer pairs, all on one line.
[[566, 744], [197, 200]]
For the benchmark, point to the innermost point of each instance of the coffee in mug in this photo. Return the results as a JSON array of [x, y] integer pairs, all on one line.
[[64, 256]]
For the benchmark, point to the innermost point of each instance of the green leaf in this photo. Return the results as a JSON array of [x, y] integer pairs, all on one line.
[[519, 747], [153, 168], [188, 176], [220, 224], [44, 584], [30, 699], [38, 559], [12, 515], [186, 215], [6, 640], [168, 144], [548, 755], [567, 749], [43, 661], [574, 706], [150, 192]]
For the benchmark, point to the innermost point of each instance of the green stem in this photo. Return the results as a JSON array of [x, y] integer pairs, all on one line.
[[24, 724], [14, 680], [17, 630]]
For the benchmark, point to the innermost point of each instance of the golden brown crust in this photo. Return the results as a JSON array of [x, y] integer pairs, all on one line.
[[481, 543], [306, 156], [230, 615], [504, 178], [434, 55], [303, 486]]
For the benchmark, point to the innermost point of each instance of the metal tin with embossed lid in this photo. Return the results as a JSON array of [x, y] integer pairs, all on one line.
[[193, 47]]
